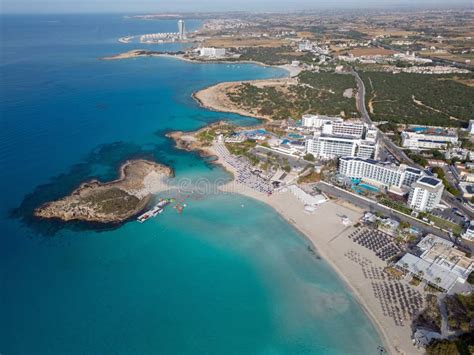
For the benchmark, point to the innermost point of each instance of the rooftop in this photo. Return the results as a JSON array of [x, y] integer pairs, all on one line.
[[431, 131], [440, 263], [430, 181]]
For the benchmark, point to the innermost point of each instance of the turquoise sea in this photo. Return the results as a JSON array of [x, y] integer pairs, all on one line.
[[217, 279]]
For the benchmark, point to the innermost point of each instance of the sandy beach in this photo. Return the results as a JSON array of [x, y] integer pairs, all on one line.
[[330, 240]]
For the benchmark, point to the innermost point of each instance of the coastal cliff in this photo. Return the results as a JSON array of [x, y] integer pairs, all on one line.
[[110, 202]]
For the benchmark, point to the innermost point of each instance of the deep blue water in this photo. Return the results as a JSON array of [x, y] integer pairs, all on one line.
[[218, 279]]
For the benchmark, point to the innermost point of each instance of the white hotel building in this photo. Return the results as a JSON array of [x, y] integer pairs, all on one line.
[[212, 52], [425, 194], [338, 138], [317, 121], [378, 173], [430, 138]]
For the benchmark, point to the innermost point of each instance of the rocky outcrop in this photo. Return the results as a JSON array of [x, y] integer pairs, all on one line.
[[114, 201]]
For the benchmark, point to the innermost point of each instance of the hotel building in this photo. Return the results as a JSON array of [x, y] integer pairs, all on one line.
[[338, 138], [382, 174], [425, 194], [317, 121], [344, 129], [428, 138], [212, 52], [329, 147]]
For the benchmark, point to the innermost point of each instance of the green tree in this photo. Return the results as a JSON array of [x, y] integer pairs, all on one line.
[[309, 157]]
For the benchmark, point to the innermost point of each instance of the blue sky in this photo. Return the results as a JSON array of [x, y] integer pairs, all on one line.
[[140, 6]]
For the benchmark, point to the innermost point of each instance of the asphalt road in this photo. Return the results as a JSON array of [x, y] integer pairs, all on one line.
[[384, 141], [374, 207], [398, 153]]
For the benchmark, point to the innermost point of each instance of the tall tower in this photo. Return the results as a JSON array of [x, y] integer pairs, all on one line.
[[181, 29]]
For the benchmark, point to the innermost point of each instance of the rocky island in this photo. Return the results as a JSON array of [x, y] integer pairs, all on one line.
[[114, 201]]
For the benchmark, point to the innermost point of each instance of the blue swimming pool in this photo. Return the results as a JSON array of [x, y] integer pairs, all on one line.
[[360, 187], [423, 129], [256, 132], [368, 187]]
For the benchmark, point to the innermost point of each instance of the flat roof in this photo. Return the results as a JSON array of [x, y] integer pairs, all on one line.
[[430, 272], [430, 181], [413, 170]]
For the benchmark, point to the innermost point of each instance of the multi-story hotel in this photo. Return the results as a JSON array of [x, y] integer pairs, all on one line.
[[381, 174], [428, 138], [425, 194], [334, 137], [344, 128], [212, 52], [317, 121], [329, 147]]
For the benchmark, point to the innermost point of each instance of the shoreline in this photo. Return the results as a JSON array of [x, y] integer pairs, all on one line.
[[139, 53], [319, 233]]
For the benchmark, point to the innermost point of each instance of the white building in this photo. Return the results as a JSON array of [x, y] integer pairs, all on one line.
[[344, 128], [371, 134], [305, 46], [181, 29], [428, 138], [425, 194], [212, 52], [470, 129], [329, 147], [382, 174], [440, 263], [306, 198], [317, 121]]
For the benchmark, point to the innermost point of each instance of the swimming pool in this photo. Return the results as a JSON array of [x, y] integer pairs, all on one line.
[[360, 187], [368, 187], [256, 132], [423, 129]]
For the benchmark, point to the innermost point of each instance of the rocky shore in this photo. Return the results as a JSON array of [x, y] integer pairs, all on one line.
[[111, 202]]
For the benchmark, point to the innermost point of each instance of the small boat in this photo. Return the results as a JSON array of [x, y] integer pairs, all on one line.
[[151, 213]]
